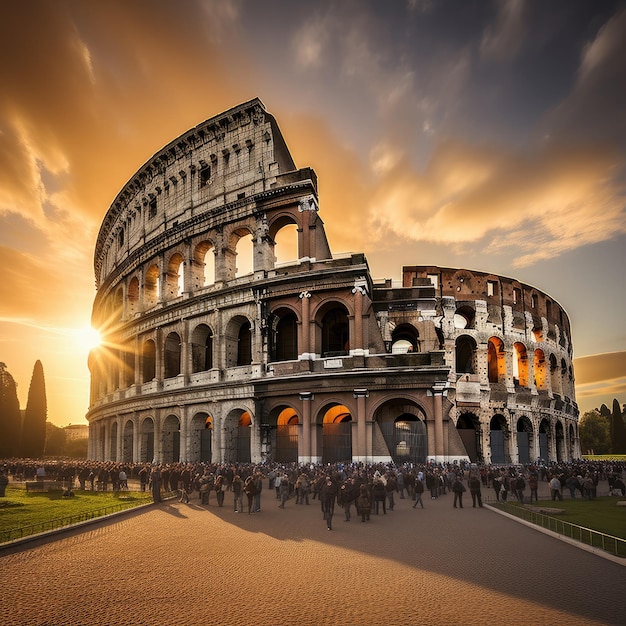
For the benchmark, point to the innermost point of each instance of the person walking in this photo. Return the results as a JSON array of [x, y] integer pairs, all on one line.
[[284, 491], [458, 488], [328, 494], [418, 489], [555, 488], [237, 487], [249, 488], [474, 487]]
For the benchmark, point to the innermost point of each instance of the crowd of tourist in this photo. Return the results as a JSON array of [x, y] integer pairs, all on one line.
[[365, 489]]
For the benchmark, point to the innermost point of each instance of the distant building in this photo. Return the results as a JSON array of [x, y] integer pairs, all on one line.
[[76, 431], [311, 360]]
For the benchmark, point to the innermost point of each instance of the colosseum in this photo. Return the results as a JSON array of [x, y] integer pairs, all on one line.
[[219, 348]]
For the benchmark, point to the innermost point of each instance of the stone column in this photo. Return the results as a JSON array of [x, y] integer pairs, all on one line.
[[361, 428], [305, 328], [304, 438], [438, 414]]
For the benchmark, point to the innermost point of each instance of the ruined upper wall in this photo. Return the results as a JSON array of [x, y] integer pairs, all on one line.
[[231, 156]]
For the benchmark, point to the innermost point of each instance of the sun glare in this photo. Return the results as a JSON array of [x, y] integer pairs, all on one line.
[[88, 338]]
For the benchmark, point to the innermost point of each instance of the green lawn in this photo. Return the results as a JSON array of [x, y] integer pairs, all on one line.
[[600, 514], [23, 514]]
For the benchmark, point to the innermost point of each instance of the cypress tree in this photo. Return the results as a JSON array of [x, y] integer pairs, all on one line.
[[34, 429], [618, 430], [10, 418]]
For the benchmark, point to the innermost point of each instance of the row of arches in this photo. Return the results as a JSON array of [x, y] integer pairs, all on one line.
[[546, 373], [517, 441], [204, 264]]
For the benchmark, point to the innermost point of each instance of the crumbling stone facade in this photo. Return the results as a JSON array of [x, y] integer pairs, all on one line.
[[309, 360]]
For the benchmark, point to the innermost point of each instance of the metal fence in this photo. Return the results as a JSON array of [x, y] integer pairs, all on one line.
[[62, 522], [608, 543]]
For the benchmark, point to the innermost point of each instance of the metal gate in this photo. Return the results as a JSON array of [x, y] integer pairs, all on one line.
[[496, 443], [287, 443], [206, 439], [337, 442], [243, 444], [523, 446], [407, 441]]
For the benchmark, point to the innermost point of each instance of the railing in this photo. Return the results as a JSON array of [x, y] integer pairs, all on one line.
[[62, 522], [594, 538]]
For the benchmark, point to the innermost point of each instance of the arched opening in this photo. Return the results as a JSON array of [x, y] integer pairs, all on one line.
[[128, 441], [170, 440], [524, 440], [148, 356], [286, 244], [468, 428], [128, 365], [465, 355], [496, 366], [151, 287], [464, 317], [571, 446], [172, 355], [119, 304], [287, 436], [203, 268], [555, 378], [175, 284], [201, 438], [244, 344], [201, 348], [559, 435], [337, 434], [146, 443], [133, 296], [404, 438], [404, 338], [335, 332], [520, 365], [540, 371], [285, 336], [498, 438], [244, 437], [244, 255]]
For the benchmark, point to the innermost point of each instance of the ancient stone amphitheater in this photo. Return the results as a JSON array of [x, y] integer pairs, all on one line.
[[215, 351]]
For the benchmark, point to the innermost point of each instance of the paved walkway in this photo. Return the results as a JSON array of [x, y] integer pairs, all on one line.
[[186, 564]]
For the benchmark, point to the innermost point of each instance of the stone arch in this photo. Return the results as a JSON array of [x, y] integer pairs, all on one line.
[[559, 437], [499, 439], [118, 304], [133, 296], [238, 341], [201, 438], [520, 364], [241, 244], [468, 428], [148, 358], [540, 370], [496, 364], [284, 233], [334, 329], [279, 435], [170, 439], [555, 378], [237, 435], [203, 265], [172, 355], [465, 350], [400, 432], [146, 440], [151, 286], [174, 282], [524, 431], [335, 423], [464, 317], [201, 348], [405, 338], [128, 441], [284, 335]]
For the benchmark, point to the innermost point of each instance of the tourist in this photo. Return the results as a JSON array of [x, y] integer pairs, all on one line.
[[418, 489], [474, 485], [555, 488], [458, 488]]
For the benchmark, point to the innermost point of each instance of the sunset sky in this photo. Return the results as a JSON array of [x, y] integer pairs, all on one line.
[[489, 135]]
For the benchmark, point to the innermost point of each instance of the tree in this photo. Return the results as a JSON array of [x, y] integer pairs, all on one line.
[[55, 440], [618, 430], [34, 428], [594, 430], [10, 418]]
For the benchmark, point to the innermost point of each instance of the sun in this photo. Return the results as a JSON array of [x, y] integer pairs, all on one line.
[[88, 338]]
